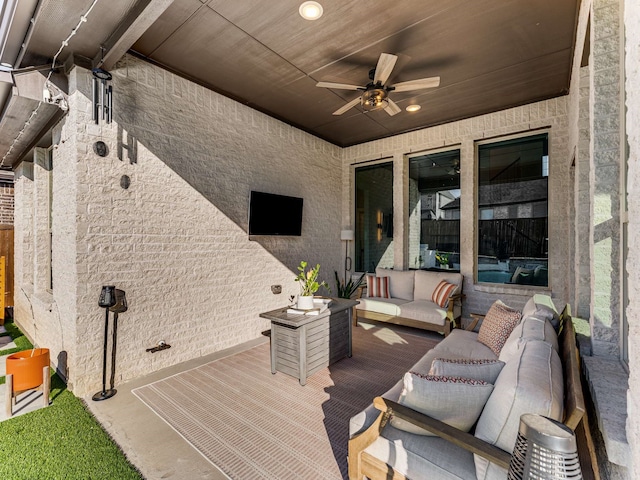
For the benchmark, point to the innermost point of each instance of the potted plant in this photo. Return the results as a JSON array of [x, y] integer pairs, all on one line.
[[308, 285], [443, 259], [347, 289]]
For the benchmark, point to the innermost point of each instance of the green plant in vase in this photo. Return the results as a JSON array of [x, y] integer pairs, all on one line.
[[442, 258], [308, 285]]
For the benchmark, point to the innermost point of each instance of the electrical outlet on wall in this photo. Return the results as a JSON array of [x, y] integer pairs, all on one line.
[[276, 289]]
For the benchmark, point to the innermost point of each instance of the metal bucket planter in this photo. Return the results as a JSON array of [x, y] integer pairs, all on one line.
[[26, 370]]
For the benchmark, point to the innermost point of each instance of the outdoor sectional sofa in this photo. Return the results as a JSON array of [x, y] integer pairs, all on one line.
[[410, 300], [536, 371]]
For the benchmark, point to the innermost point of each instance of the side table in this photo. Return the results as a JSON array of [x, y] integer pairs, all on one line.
[[303, 344]]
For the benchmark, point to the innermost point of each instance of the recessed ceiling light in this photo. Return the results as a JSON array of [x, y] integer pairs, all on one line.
[[310, 10], [413, 108]]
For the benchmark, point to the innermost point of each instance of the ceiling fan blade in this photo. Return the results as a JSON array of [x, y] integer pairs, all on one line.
[[347, 106], [393, 108], [385, 65], [416, 84], [339, 86]]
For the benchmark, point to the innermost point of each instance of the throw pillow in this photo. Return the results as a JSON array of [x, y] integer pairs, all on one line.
[[455, 401], [377, 287], [485, 370], [442, 292], [497, 326]]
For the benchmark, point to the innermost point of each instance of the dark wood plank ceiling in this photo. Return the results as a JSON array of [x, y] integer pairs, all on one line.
[[489, 54]]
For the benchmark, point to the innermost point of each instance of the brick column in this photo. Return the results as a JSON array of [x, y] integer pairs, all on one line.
[[606, 148], [41, 214], [23, 227]]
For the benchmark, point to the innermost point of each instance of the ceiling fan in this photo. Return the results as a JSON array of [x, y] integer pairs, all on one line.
[[375, 94]]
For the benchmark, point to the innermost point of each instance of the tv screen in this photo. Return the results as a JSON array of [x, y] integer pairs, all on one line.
[[271, 214]]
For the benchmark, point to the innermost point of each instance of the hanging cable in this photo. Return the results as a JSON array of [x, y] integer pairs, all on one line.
[[64, 44]]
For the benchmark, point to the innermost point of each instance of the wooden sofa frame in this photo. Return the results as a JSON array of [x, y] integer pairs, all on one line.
[[362, 464], [450, 322]]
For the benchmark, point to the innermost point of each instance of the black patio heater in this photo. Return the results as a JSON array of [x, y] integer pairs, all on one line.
[[111, 299]]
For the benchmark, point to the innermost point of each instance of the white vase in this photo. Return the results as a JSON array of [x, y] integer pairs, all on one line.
[[305, 302]]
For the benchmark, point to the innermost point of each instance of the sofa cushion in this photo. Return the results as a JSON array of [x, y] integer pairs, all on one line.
[[529, 328], [377, 287], [426, 283], [497, 325], [464, 344], [485, 370], [388, 306], [424, 311], [531, 382], [542, 307], [455, 401], [400, 282], [442, 292], [422, 458]]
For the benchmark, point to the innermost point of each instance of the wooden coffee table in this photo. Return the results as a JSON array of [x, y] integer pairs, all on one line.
[[303, 344]]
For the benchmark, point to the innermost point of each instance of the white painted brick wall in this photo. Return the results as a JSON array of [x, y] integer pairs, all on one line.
[[176, 240], [632, 68], [551, 113]]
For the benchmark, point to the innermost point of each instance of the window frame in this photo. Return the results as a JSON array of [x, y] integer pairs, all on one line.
[[424, 153], [487, 286], [354, 199]]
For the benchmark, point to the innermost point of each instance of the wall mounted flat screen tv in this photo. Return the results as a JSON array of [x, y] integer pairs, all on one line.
[[271, 214]]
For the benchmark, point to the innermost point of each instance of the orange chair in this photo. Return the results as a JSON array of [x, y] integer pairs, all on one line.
[[26, 370]]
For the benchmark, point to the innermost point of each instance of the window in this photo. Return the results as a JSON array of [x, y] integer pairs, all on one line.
[[374, 217], [512, 211], [434, 211]]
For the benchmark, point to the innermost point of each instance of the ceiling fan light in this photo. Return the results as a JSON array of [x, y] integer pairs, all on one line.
[[375, 99], [310, 10], [413, 108]]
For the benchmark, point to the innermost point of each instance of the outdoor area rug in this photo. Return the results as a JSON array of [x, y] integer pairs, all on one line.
[[255, 425]]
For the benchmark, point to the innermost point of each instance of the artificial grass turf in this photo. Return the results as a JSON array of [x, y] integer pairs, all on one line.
[[62, 441], [22, 342]]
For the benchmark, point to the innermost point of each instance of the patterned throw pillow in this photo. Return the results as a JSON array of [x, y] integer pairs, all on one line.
[[497, 326], [455, 401], [486, 370], [442, 292], [377, 287]]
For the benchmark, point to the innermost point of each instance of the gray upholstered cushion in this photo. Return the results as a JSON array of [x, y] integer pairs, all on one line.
[[485, 370], [542, 307], [400, 282], [388, 306], [531, 382], [530, 328], [426, 282], [424, 311], [419, 457], [455, 401], [464, 343]]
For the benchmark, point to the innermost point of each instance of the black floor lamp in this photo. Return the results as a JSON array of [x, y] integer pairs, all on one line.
[[111, 299]]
